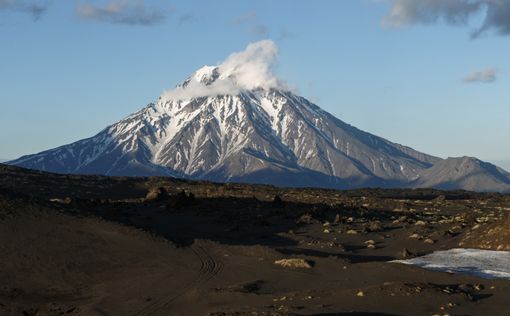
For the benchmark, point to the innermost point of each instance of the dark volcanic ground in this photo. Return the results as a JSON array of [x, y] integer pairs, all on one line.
[[87, 245]]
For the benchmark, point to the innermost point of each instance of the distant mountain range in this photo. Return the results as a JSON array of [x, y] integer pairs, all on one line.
[[214, 127]]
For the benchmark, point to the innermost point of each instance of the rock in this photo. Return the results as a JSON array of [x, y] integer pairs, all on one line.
[[440, 198], [294, 263], [375, 226], [181, 200], [481, 220], [415, 236], [67, 200], [459, 219], [156, 194], [420, 223], [351, 232], [405, 253], [360, 294], [305, 219], [278, 202], [429, 241], [478, 287]]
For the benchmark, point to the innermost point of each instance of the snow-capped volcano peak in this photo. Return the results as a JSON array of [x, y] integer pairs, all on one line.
[[248, 70], [205, 75]]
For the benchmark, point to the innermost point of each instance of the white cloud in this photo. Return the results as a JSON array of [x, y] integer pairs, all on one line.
[[252, 68], [249, 69], [197, 89], [495, 13], [488, 75]]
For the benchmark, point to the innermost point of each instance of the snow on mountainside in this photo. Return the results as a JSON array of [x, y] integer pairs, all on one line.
[[237, 122]]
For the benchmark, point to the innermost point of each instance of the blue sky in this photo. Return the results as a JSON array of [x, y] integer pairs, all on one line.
[[69, 68]]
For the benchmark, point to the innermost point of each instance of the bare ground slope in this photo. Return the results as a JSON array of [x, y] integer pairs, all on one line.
[[96, 246]]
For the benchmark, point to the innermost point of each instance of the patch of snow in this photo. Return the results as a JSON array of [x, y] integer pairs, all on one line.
[[270, 108], [204, 73], [373, 164], [487, 264]]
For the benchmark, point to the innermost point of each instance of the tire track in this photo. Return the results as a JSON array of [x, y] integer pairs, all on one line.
[[209, 268]]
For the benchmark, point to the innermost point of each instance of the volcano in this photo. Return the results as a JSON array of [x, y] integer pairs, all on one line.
[[236, 122]]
